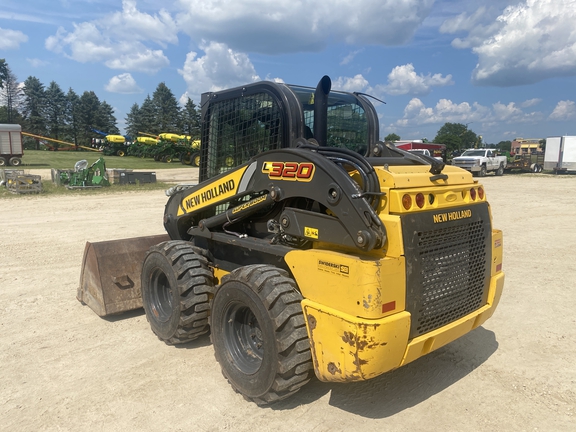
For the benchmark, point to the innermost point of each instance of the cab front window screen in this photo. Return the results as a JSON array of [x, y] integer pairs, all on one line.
[[347, 122], [241, 128]]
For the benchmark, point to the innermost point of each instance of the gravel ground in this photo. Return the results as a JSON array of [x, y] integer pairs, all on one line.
[[64, 368]]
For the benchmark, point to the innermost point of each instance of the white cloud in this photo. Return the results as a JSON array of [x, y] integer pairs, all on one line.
[[119, 40], [280, 26], [11, 39], [564, 110], [526, 43], [355, 84], [446, 111], [36, 63], [530, 102], [350, 57], [123, 83], [405, 80], [219, 68]]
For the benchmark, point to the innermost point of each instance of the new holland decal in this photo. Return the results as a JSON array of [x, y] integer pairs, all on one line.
[[214, 192], [452, 216]]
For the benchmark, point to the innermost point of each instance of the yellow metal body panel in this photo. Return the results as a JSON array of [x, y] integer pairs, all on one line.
[[435, 339], [358, 286], [352, 338], [115, 138], [147, 140], [410, 176], [346, 348]]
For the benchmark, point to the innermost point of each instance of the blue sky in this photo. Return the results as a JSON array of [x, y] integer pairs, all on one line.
[[506, 68]]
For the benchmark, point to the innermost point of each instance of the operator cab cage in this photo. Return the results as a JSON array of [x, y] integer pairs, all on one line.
[[243, 122]]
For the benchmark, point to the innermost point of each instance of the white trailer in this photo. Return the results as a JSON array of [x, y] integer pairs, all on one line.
[[11, 149], [560, 155]]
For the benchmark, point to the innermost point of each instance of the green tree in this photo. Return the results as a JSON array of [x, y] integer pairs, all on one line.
[[72, 116], [3, 72], [456, 136], [166, 109], [56, 107], [191, 119], [107, 119], [34, 106], [15, 117], [88, 116], [148, 117], [392, 137], [133, 123], [11, 95], [542, 143], [504, 145]]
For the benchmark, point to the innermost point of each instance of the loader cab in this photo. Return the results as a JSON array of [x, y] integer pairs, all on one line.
[[240, 123]]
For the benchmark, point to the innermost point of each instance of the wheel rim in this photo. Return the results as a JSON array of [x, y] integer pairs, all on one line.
[[161, 293], [197, 161], [243, 338]]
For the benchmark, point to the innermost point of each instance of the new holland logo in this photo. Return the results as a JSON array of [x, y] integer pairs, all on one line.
[[451, 216]]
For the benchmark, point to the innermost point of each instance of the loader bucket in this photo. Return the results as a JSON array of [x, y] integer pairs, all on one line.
[[110, 277]]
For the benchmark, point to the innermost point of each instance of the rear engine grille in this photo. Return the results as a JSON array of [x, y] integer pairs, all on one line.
[[447, 267], [453, 262]]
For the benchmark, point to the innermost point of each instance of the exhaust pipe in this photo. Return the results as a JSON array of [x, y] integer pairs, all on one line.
[[321, 110]]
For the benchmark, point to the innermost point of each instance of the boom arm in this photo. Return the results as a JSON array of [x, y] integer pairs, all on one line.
[[290, 195]]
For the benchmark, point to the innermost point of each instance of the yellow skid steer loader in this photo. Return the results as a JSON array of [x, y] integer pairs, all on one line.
[[308, 245]]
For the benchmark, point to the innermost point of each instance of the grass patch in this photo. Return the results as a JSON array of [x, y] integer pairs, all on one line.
[[41, 159]]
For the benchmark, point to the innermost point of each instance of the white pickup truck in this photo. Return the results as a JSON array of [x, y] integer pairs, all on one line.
[[480, 162]]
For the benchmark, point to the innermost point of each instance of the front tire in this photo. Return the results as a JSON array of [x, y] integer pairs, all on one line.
[[259, 333], [500, 170], [177, 290], [482, 172]]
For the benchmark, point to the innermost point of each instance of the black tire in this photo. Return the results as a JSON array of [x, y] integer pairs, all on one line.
[[500, 170], [540, 168], [3, 162], [482, 172], [259, 333], [177, 291], [196, 159], [120, 153], [186, 158]]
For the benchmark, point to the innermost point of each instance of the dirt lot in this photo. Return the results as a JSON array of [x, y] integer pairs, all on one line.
[[64, 368]]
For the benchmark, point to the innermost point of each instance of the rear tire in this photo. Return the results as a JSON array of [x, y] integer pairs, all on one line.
[[177, 290], [196, 159], [259, 333], [186, 158], [3, 162]]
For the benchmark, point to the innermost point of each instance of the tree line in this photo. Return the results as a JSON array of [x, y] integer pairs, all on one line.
[[49, 111]]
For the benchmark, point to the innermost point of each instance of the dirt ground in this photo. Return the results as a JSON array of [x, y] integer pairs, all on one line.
[[64, 368]]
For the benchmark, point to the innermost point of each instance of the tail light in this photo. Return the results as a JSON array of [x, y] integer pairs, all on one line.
[[407, 201]]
